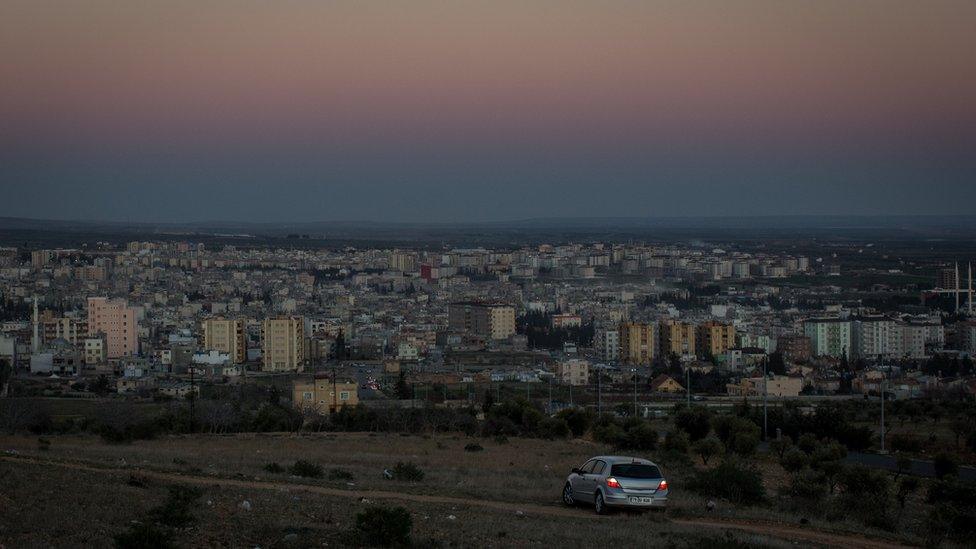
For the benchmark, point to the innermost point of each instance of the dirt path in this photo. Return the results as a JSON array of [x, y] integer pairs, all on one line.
[[776, 530]]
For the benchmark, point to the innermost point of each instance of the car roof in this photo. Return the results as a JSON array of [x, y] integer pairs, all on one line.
[[623, 459]]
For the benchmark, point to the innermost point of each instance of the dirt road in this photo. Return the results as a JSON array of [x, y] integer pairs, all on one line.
[[776, 530]]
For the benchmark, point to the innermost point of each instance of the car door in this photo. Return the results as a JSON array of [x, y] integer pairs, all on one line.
[[595, 476], [579, 481]]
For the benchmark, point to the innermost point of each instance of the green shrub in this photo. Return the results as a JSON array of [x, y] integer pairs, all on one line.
[[731, 480], [809, 485], [473, 447], [384, 527], [707, 448], [553, 428], [408, 471], [641, 437], [696, 421], [274, 467], [176, 511], [303, 468], [578, 420], [676, 441], [143, 536], [945, 465], [340, 474], [794, 460]]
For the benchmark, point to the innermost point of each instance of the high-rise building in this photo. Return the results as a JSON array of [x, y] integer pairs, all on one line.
[[828, 336], [606, 341], [226, 336], [637, 343], [714, 338], [676, 338], [118, 321], [283, 344], [871, 337], [490, 320]]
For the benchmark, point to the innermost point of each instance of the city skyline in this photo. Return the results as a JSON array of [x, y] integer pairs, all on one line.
[[457, 112]]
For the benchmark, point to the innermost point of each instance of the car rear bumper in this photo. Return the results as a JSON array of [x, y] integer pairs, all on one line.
[[641, 502]]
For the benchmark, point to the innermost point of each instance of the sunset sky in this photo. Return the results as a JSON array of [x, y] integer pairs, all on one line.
[[457, 110]]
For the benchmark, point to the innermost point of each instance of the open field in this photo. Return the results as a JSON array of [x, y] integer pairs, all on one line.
[[505, 495]]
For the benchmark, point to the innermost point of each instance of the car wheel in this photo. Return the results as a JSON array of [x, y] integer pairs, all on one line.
[[568, 498], [599, 505]]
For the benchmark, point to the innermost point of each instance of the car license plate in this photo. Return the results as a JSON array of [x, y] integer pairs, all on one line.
[[641, 500]]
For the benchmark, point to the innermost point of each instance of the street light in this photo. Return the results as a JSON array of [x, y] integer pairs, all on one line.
[[765, 399], [882, 414], [635, 391]]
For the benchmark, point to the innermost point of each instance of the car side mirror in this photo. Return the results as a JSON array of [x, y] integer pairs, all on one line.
[[577, 471]]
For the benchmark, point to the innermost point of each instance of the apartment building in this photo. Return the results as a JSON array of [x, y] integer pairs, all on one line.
[[118, 321], [490, 320], [573, 372], [283, 344], [676, 338], [606, 341], [828, 336], [226, 336], [320, 394], [637, 343], [714, 338]]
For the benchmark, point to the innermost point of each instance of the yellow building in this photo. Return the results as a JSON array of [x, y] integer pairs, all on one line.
[[491, 320], [676, 338], [714, 338], [283, 344], [637, 343], [226, 336], [321, 395]]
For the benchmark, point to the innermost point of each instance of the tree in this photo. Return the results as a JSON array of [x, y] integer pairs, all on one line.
[[706, 448], [945, 465], [695, 420], [793, 460], [402, 390], [780, 446]]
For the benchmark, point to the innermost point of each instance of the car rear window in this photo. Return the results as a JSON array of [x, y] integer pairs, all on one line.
[[635, 470]]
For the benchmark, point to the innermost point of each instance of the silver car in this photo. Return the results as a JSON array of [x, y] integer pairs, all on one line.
[[617, 482]]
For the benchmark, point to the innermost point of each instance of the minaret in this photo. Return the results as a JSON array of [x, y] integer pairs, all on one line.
[[957, 287], [970, 265]]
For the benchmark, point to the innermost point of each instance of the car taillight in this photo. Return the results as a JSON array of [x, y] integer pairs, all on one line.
[[612, 482], [663, 485]]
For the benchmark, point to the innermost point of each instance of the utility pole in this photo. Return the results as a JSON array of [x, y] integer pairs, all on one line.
[[635, 392], [765, 399], [882, 415], [193, 398], [335, 402], [688, 383], [550, 394], [599, 391]]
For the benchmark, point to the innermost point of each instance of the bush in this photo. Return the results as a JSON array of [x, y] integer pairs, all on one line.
[[809, 485], [696, 421], [676, 441], [866, 494], [303, 468], [945, 465], [143, 536], [641, 437], [707, 448], [175, 512], [384, 527], [273, 467], [731, 480], [904, 442], [340, 474], [738, 434], [794, 460], [408, 471], [577, 419], [553, 428], [473, 447]]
